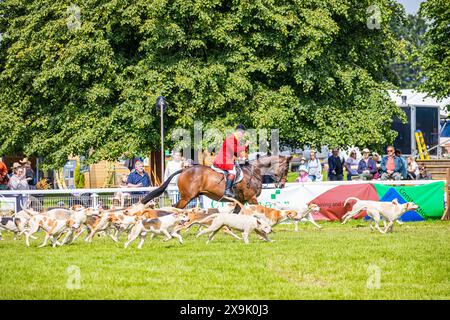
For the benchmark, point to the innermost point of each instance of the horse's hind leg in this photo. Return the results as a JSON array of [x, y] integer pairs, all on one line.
[[183, 202]]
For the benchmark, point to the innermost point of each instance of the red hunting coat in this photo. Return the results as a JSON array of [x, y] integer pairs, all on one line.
[[230, 148]]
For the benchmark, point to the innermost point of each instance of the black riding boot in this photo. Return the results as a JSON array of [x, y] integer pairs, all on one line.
[[228, 191]]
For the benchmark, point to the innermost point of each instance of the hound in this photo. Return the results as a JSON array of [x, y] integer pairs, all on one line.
[[163, 225], [80, 217], [304, 214], [102, 224], [91, 222], [9, 224], [244, 223], [195, 215], [52, 227], [24, 217], [273, 216], [122, 223], [379, 210]]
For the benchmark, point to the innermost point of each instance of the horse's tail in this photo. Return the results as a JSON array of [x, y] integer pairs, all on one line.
[[159, 191]]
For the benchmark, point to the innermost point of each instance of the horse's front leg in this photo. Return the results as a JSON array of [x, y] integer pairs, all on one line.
[[253, 200]]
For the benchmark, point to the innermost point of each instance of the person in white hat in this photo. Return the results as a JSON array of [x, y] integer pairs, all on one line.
[[302, 161], [367, 167], [303, 175]]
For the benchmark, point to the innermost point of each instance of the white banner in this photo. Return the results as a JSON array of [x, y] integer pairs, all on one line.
[[292, 196]]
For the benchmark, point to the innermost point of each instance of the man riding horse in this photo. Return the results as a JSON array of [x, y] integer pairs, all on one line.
[[204, 180], [225, 158]]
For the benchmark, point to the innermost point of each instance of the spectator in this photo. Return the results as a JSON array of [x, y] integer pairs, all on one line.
[[18, 180], [130, 163], [391, 166], [335, 166], [188, 163], [4, 178], [376, 157], [302, 161], [423, 174], [29, 173], [398, 153], [138, 178], [367, 167], [314, 167], [351, 165], [413, 168], [173, 166], [303, 174]]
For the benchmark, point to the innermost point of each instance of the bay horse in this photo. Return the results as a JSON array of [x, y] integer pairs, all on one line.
[[202, 180]]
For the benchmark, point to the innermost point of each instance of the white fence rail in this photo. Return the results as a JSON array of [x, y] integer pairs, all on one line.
[[14, 200]]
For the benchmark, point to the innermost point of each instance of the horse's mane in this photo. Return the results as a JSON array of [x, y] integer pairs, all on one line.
[[265, 158]]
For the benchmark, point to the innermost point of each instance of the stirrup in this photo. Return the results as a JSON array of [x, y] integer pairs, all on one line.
[[229, 193]]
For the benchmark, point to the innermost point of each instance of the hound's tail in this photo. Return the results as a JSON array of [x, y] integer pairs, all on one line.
[[159, 191], [29, 212], [211, 216], [235, 201], [350, 198]]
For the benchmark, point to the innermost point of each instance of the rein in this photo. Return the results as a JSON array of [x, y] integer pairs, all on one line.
[[251, 177]]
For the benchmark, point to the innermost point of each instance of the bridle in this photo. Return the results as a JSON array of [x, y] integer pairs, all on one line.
[[281, 179]]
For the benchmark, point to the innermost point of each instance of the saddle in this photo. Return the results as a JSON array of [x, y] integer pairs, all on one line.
[[239, 173]]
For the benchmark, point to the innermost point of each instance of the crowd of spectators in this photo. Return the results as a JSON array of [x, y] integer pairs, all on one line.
[[369, 166]]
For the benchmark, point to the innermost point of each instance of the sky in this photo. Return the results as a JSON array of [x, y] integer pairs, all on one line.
[[411, 6]]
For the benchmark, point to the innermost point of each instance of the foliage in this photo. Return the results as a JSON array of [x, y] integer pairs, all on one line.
[[79, 177], [434, 57], [312, 68], [110, 178], [43, 184], [410, 32]]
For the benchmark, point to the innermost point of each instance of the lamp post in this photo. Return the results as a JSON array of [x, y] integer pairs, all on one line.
[[161, 105]]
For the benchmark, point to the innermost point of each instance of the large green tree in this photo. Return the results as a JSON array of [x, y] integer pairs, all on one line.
[[434, 58], [410, 32], [316, 69]]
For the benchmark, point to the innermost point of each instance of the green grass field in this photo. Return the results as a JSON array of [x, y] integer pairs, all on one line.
[[337, 262]]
